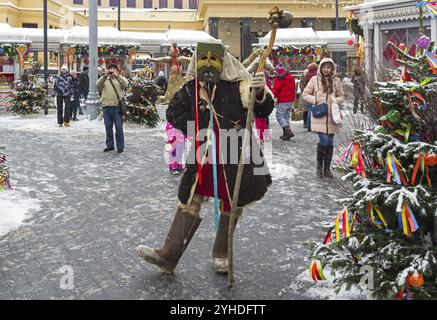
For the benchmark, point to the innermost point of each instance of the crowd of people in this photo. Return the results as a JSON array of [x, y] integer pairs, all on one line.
[[318, 85]]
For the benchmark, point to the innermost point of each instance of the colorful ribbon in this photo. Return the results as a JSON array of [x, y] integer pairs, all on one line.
[[214, 167], [407, 221], [354, 155], [432, 60], [405, 291], [421, 164], [428, 6], [316, 271], [346, 221], [382, 222], [394, 169], [405, 133]]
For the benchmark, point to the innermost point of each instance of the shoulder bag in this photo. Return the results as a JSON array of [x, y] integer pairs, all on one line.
[[121, 103]]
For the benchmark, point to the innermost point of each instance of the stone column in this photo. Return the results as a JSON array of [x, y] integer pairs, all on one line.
[[246, 44], [93, 95], [378, 58], [369, 50], [434, 28]]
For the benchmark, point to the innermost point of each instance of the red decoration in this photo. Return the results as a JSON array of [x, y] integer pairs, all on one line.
[[431, 160], [350, 42], [416, 281], [402, 46], [101, 61]]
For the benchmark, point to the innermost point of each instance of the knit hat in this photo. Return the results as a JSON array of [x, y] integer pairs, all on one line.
[[280, 69]]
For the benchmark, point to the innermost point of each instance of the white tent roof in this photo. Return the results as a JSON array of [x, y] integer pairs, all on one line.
[[336, 40], [294, 37], [107, 35], [186, 37]]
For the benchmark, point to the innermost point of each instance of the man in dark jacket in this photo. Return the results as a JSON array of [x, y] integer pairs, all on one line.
[[221, 86], [75, 96], [64, 89], [284, 90], [84, 82]]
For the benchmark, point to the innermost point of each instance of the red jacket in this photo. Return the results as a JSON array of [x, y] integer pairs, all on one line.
[[284, 88]]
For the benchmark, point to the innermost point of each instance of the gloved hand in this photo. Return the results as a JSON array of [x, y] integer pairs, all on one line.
[[258, 81]]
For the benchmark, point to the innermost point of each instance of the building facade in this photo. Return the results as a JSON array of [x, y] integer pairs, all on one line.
[[239, 23], [396, 21]]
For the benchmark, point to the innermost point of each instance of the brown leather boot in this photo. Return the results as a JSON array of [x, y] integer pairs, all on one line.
[[179, 236], [220, 249]]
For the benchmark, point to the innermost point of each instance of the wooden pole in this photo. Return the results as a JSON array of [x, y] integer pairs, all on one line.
[[275, 16]]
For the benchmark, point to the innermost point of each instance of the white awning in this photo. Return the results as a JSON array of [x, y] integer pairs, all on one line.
[[186, 37], [298, 37]]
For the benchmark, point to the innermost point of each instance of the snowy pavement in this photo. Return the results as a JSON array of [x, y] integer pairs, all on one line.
[[85, 212]]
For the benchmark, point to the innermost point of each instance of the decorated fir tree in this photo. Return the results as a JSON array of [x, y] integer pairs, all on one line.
[[29, 95], [141, 98], [388, 224], [5, 181]]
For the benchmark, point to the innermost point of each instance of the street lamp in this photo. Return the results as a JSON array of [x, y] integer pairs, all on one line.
[[119, 15], [46, 57]]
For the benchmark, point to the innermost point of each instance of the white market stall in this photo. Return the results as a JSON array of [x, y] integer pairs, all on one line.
[[297, 47]]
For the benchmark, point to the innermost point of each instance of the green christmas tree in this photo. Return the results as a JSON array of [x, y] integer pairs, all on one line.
[[29, 96], [141, 98], [387, 226]]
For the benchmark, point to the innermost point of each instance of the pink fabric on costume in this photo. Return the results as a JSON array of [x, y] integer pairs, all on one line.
[[177, 140]]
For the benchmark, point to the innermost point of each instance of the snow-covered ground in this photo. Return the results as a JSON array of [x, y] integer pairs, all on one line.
[[94, 208], [15, 207]]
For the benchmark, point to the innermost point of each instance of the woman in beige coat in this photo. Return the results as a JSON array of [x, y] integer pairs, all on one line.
[[324, 88]]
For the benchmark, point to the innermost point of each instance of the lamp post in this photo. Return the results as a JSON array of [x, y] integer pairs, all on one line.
[[93, 95], [46, 58], [119, 15]]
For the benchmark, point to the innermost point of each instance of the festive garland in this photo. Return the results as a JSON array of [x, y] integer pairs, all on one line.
[[354, 26], [103, 50], [9, 50], [297, 55]]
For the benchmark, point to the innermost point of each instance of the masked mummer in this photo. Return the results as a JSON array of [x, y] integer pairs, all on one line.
[[221, 86]]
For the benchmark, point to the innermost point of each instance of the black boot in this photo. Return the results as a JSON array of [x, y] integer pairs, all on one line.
[[329, 150], [283, 134], [320, 156], [288, 134], [220, 249], [179, 236]]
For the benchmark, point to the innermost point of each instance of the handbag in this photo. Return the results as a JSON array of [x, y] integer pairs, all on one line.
[[337, 114], [320, 110], [121, 103]]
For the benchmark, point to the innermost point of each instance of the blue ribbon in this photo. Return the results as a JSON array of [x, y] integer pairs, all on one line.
[[395, 171]]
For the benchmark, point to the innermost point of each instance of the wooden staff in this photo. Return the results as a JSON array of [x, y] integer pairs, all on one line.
[[278, 19]]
